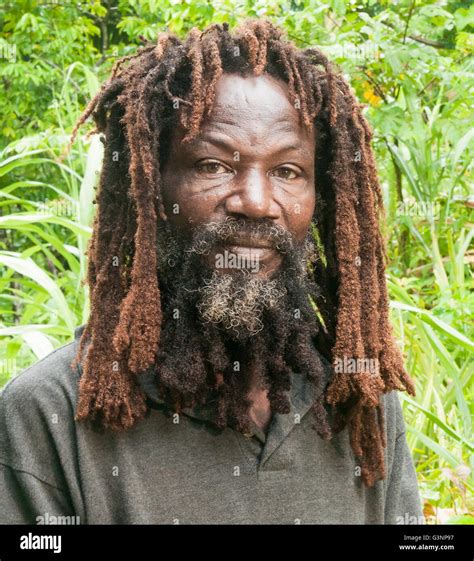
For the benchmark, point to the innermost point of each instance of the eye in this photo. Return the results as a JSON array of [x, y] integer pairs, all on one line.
[[286, 172], [212, 167]]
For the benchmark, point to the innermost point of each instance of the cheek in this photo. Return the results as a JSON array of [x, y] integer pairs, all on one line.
[[185, 207], [300, 214]]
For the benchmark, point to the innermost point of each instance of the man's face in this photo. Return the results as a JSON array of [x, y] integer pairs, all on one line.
[[252, 160]]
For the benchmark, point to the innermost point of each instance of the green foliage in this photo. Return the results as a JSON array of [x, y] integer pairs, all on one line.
[[408, 61]]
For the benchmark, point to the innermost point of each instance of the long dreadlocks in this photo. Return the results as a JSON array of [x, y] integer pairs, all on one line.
[[174, 82]]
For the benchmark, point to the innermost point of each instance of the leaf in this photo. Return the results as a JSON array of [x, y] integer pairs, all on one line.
[[38, 343], [402, 164], [448, 430], [464, 17], [20, 160], [19, 219], [438, 323], [462, 519], [87, 191], [435, 447], [460, 148], [30, 269]]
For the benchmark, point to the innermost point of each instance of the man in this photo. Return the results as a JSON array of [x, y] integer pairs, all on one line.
[[238, 364]]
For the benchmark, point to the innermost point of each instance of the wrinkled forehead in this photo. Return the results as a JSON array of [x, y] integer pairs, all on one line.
[[257, 97], [253, 110]]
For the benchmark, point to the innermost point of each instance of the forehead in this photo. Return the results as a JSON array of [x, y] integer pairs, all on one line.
[[255, 110], [253, 105]]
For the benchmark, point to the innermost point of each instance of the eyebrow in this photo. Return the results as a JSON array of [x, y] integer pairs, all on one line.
[[228, 145]]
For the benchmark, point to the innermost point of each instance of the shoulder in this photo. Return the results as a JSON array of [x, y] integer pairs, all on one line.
[[51, 380], [397, 452], [37, 417], [394, 421], [37, 409]]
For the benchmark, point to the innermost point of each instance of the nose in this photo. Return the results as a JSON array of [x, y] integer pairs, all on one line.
[[253, 197]]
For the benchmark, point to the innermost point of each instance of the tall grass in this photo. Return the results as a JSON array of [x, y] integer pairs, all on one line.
[[46, 213], [430, 284], [48, 223]]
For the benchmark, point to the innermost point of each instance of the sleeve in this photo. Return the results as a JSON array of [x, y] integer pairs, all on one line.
[[402, 498], [25, 499], [30, 488]]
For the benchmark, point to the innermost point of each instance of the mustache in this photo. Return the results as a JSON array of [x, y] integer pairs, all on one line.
[[241, 231]]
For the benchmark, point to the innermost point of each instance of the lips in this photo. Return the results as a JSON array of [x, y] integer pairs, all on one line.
[[247, 251], [251, 246], [250, 242], [261, 254]]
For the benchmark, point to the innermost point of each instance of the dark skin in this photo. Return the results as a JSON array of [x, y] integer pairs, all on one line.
[[253, 159]]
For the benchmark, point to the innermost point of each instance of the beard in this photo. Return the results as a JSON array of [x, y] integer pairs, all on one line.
[[225, 333], [234, 302]]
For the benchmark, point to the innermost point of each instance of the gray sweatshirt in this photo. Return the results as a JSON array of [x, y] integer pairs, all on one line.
[[182, 469]]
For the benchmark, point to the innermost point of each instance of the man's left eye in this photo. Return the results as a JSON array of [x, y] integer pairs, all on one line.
[[285, 173]]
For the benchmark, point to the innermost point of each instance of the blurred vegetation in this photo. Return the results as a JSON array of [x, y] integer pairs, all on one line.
[[409, 61]]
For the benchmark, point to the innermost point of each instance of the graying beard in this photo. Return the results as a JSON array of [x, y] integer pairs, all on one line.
[[237, 303], [234, 302]]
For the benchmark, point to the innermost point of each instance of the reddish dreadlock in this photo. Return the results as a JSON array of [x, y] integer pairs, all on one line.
[[136, 110]]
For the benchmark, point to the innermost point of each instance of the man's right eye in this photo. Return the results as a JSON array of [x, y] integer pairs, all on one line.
[[211, 167]]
